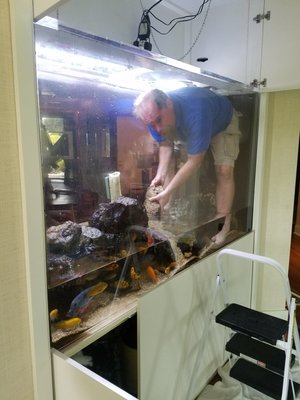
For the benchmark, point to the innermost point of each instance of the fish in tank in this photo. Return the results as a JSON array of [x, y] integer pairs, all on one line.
[[107, 241]]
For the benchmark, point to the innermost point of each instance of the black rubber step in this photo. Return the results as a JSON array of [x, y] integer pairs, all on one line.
[[253, 323], [261, 379], [262, 353]]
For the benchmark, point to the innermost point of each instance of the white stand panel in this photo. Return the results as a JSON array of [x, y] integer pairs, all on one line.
[[179, 348]]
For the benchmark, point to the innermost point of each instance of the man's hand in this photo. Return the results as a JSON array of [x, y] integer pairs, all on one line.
[[193, 162], [157, 181], [162, 198], [163, 173]]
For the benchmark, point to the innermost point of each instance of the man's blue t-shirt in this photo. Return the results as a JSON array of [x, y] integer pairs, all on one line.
[[200, 114]]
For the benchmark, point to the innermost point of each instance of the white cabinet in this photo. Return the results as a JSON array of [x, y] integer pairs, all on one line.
[[253, 41], [280, 47], [180, 344], [223, 38]]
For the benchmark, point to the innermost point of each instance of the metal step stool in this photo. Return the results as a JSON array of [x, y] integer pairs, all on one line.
[[266, 346]]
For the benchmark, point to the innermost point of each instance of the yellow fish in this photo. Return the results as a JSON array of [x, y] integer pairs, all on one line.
[[121, 284], [53, 315], [133, 274], [97, 289], [68, 323]]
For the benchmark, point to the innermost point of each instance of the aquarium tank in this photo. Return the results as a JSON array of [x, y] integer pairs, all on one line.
[[107, 243]]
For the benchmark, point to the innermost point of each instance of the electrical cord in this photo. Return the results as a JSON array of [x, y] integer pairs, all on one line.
[[198, 35], [159, 1], [174, 21], [177, 20]]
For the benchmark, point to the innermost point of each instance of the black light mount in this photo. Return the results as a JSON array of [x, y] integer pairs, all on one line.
[[144, 31]]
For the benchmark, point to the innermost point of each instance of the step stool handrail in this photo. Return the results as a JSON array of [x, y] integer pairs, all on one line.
[[260, 259], [287, 373]]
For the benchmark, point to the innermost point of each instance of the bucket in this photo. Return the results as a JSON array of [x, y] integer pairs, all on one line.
[[129, 355]]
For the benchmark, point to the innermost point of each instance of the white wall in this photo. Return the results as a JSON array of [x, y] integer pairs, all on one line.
[[16, 378], [26, 329], [279, 166]]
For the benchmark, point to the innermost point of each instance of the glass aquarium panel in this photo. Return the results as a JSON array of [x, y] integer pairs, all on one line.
[[107, 241]]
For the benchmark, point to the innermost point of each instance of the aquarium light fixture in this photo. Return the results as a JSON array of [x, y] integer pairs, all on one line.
[[67, 65], [60, 61], [132, 78]]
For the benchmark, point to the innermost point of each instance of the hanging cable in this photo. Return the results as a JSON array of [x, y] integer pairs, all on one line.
[[159, 1], [198, 35], [177, 20], [145, 26]]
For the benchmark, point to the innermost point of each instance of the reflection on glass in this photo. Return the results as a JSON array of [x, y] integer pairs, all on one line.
[[107, 243]]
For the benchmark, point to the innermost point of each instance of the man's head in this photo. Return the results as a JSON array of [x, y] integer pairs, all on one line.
[[156, 110]]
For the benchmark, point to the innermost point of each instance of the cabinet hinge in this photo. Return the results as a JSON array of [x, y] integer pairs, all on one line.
[[256, 83], [263, 82], [260, 17]]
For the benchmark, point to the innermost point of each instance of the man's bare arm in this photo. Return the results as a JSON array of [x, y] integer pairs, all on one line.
[[165, 157], [191, 165]]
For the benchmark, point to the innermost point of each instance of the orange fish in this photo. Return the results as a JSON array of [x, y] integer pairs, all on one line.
[[172, 265], [152, 274], [112, 267]]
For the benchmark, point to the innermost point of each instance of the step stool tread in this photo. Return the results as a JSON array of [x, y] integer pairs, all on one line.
[[261, 379], [263, 353], [253, 323]]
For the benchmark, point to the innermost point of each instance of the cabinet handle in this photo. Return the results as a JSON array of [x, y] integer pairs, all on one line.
[[202, 59], [259, 17]]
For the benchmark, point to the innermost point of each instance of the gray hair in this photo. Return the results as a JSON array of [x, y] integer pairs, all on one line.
[[156, 96]]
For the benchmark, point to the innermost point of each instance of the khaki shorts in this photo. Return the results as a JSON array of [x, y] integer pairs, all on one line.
[[225, 145]]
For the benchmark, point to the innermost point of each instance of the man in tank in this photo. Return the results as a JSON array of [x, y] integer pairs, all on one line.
[[201, 119]]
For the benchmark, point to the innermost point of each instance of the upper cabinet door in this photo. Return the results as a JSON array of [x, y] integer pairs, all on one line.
[[223, 37], [41, 7], [252, 41], [281, 48]]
